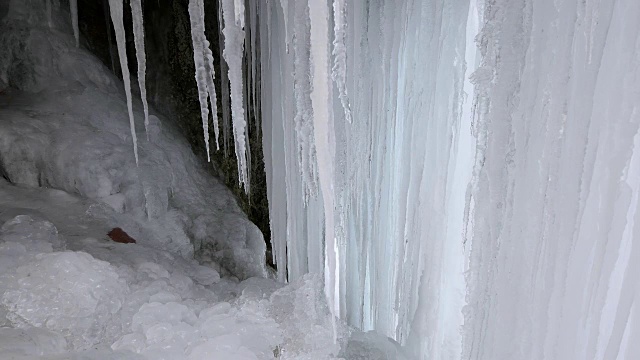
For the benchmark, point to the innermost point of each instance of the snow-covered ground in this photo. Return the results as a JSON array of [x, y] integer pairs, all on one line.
[[66, 287], [67, 291]]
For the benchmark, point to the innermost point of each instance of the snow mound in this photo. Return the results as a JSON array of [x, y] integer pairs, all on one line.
[[68, 292], [104, 300]]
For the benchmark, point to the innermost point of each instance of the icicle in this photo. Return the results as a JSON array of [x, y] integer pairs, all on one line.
[[115, 7], [109, 40], [74, 20], [302, 90], [205, 73], [238, 9], [49, 18], [339, 71], [226, 115], [138, 35], [285, 10], [211, 88], [233, 45], [323, 134]]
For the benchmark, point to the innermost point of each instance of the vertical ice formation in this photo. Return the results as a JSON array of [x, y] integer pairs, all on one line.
[[233, 55], [391, 185], [73, 4], [49, 15], [285, 10], [321, 101], [513, 161], [224, 77], [115, 7], [138, 36], [555, 238], [339, 71], [107, 18], [238, 10], [205, 72], [304, 126]]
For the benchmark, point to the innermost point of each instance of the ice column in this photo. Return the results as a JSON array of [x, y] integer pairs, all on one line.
[[115, 7], [321, 101], [391, 183]]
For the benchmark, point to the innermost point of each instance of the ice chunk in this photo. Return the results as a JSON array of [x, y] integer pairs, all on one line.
[[222, 347], [301, 311], [29, 343], [36, 235], [154, 313]]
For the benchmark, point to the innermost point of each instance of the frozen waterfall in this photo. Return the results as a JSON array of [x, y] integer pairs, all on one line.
[[482, 163]]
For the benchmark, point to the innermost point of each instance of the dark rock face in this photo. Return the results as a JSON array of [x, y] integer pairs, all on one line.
[[171, 85], [120, 236]]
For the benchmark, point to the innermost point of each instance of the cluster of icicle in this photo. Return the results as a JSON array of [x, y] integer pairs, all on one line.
[[233, 18]]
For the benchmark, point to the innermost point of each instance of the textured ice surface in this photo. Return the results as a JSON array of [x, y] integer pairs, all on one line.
[[127, 299], [485, 193], [68, 292]]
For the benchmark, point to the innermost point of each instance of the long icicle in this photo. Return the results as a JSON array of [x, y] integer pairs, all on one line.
[[234, 43], [205, 72], [339, 70], [325, 148], [115, 7], [138, 36], [73, 4], [210, 76]]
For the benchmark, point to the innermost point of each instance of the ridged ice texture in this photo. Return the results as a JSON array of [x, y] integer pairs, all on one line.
[[116, 11], [555, 236], [138, 36], [397, 171], [324, 138], [485, 195], [339, 70], [233, 53], [205, 72]]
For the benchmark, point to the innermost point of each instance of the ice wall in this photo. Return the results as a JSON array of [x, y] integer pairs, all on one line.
[[395, 172], [555, 237], [484, 194]]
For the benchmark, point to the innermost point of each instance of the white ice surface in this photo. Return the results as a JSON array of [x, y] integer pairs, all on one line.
[[65, 288], [485, 192]]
